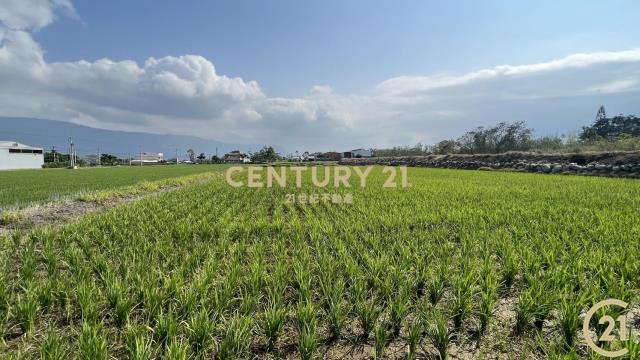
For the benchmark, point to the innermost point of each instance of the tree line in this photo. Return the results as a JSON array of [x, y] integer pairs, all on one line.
[[617, 133]]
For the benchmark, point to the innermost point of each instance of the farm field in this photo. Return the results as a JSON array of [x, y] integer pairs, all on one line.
[[461, 264], [20, 188]]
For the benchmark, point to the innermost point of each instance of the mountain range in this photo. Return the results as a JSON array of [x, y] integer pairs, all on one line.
[[53, 134]]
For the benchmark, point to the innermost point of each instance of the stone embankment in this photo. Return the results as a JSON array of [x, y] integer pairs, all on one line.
[[617, 164]]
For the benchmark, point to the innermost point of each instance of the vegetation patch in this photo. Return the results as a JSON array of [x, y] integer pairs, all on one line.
[[104, 196], [462, 264], [23, 188], [10, 217]]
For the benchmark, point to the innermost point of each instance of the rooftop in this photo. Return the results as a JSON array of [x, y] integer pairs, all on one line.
[[15, 144]]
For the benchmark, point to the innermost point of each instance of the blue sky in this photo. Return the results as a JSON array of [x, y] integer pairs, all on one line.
[[319, 74], [290, 46]]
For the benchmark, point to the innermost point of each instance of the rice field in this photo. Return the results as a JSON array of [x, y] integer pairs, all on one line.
[[460, 264], [20, 188]]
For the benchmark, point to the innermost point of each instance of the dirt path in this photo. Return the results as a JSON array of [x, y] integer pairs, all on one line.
[[60, 213]]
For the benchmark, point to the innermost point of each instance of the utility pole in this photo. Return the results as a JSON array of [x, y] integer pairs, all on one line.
[[99, 161], [72, 154], [140, 149], [177, 162], [53, 152]]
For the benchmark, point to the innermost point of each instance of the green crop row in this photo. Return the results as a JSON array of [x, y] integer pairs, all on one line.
[[461, 262], [21, 188]]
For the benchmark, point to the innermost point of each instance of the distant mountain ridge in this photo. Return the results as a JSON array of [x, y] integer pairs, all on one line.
[[88, 140]]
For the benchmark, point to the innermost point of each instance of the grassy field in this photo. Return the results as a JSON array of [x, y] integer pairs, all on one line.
[[462, 264], [24, 187]]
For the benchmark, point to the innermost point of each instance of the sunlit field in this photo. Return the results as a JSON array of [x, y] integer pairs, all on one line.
[[460, 263], [20, 188]]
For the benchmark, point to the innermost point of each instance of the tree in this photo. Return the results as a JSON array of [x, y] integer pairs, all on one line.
[[446, 147], [60, 158], [418, 149], [266, 155], [601, 114], [108, 159], [201, 157], [500, 138], [611, 128], [192, 155], [215, 159]]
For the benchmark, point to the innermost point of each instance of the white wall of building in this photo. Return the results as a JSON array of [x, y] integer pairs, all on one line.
[[9, 161], [15, 161]]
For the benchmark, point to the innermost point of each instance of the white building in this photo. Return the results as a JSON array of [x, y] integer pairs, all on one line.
[[308, 157], [361, 153], [148, 158], [14, 155]]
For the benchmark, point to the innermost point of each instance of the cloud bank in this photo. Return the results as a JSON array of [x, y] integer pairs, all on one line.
[[186, 95]]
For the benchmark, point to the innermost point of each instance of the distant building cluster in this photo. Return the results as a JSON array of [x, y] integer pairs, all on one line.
[[331, 155], [148, 159], [237, 156], [14, 155]]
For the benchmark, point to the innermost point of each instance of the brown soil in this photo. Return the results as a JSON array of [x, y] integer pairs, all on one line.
[[60, 213]]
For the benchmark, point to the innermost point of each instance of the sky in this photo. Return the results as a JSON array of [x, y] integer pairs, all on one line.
[[319, 75]]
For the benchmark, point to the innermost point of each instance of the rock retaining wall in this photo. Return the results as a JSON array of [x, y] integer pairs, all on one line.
[[617, 164]]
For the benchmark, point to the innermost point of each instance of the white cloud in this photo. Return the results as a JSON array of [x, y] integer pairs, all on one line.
[[185, 86], [412, 85], [186, 95], [33, 14]]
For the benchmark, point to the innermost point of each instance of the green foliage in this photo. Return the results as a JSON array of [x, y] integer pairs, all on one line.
[[201, 329], [237, 338], [177, 350], [381, 338], [265, 155], [8, 217], [415, 330], [273, 323], [416, 150], [605, 134], [92, 346], [24, 187], [488, 295], [399, 309], [438, 332], [52, 347], [496, 139], [26, 309], [436, 284], [604, 127], [570, 309], [307, 344], [368, 313], [462, 301], [181, 275], [138, 346]]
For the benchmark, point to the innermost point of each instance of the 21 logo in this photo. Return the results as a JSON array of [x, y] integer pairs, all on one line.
[[608, 335]]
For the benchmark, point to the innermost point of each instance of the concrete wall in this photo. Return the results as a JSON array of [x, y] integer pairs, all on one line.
[[10, 161], [617, 164]]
